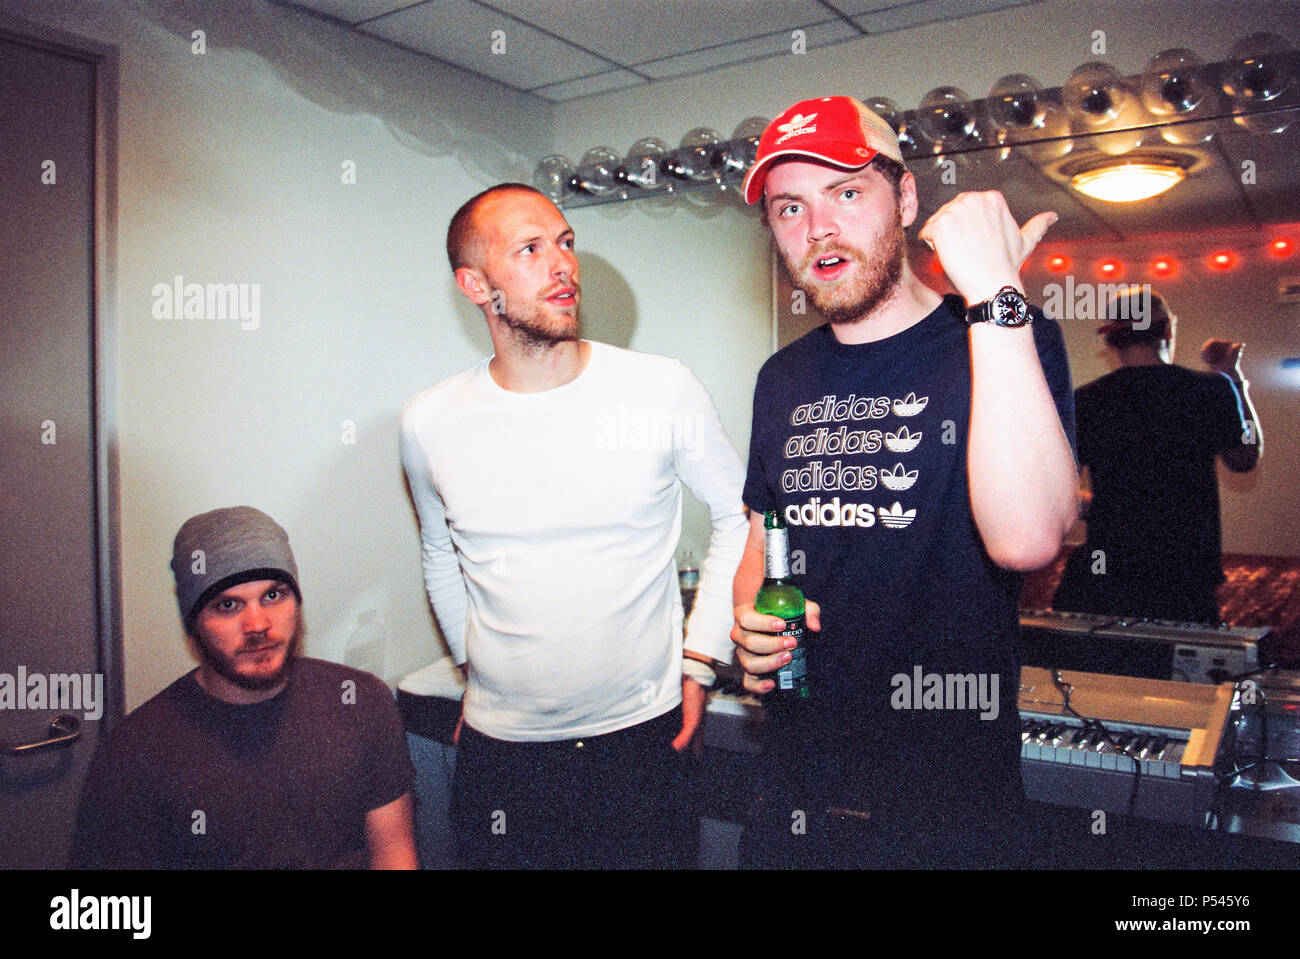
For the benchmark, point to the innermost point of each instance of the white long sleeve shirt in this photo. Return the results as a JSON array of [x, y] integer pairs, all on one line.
[[549, 523]]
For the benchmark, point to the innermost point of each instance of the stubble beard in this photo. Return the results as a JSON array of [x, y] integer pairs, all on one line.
[[854, 300], [226, 668], [534, 332]]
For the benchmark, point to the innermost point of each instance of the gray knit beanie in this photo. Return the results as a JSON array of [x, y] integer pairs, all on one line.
[[225, 547]]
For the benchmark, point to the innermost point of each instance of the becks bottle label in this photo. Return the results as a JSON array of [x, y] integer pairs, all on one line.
[[794, 674]]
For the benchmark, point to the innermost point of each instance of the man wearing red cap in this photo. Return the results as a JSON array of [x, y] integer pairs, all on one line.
[[919, 448]]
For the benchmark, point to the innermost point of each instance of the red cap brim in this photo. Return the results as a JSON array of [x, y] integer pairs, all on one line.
[[845, 156]]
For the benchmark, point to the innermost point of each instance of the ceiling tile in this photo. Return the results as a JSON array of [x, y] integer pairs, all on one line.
[[461, 32], [348, 11], [852, 8], [590, 86], [900, 16], [771, 45], [635, 31]]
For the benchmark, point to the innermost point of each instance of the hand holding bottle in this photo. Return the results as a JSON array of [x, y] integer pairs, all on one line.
[[759, 649]]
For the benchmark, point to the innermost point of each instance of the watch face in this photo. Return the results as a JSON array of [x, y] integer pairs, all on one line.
[[1009, 309]]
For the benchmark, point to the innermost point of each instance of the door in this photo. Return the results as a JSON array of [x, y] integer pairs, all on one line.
[[56, 667]]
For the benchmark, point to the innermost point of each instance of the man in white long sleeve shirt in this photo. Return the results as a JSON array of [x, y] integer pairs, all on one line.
[[547, 480]]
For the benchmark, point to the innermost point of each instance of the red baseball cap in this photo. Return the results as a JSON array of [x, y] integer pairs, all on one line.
[[840, 131]]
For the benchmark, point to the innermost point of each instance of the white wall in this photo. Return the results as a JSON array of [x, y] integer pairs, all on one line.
[[230, 171]]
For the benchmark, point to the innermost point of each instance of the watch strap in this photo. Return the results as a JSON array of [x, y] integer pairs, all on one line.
[[983, 312]]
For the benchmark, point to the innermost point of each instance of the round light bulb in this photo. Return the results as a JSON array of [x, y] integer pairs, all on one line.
[[645, 164], [555, 177], [1257, 69], [1052, 140], [744, 139], [1129, 128], [1094, 93], [948, 117], [887, 110], [1187, 134], [1173, 83], [698, 155], [599, 172], [1014, 103]]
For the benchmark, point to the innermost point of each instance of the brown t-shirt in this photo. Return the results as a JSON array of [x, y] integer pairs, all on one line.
[[188, 781]]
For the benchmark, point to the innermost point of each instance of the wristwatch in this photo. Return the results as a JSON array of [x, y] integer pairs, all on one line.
[[1007, 308]]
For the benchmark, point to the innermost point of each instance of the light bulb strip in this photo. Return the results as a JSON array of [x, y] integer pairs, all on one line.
[[1214, 74]]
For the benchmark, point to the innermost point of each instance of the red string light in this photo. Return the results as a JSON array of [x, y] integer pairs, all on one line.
[[1164, 267], [1110, 268]]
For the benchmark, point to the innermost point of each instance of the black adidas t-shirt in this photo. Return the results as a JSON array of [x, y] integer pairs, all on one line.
[[863, 448]]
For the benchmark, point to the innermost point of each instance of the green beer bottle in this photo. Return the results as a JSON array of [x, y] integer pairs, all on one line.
[[779, 597]]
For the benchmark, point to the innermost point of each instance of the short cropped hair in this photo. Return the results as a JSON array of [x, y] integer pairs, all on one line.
[[1159, 325], [462, 234]]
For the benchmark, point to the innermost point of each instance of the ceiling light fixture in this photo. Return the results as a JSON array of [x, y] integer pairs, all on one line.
[[1129, 179]]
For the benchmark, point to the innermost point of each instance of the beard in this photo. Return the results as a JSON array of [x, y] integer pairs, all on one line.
[[854, 299], [535, 330], [227, 666]]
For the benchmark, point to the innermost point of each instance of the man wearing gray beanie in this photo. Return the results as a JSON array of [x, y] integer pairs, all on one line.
[[315, 749]]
